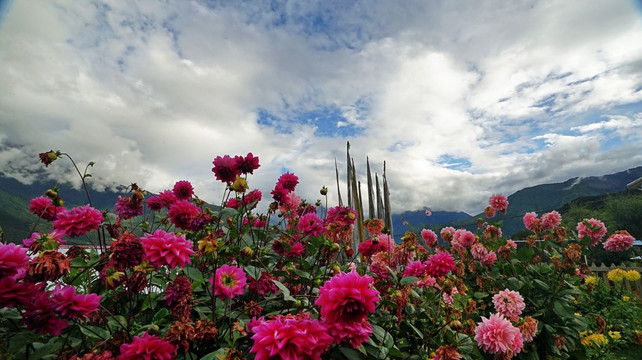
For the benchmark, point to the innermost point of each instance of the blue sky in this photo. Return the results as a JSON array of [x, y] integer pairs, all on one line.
[[462, 99]]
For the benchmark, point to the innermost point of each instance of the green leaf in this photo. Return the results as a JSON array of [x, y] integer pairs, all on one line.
[[253, 271], [95, 332], [562, 310], [525, 254], [409, 280], [379, 333], [160, 315], [10, 313], [216, 355], [351, 354], [303, 274], [42, 350], [542, 285], [393, 351], [20, 341], [285, 290]]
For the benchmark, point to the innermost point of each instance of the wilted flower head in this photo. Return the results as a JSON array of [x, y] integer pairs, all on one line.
[[347, 297], [499, 203], [596, 235], [127, 207], [374, 226], [78, 221], [619, 241], [532, 223], [48, 266], [497, 335], [228, 281], [147, 347], [163, 248], [49, 157], [178, 297], [447, 352], [528, 328], [126, 252], [447, 234], [489, 212]]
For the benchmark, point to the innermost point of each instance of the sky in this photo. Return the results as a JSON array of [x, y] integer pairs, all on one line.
[[461, 99]]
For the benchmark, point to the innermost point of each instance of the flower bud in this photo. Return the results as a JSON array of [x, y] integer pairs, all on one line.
[[324, 191]]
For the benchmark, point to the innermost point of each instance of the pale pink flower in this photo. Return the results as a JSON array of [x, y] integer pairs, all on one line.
[[551, 220], [429, 237], [509, 303], [428, 212], [595, 235], [464, 238], [499, 203], [478, 251], [497, 335], [619, 241], [531, 222], [489, 259]]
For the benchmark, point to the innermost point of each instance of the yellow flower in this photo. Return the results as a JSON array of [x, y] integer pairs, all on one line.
[[615, 335], [616, 275], [632, 275], [625, 298], [578, 314], [239, 185], [595, 340], [590, 280]]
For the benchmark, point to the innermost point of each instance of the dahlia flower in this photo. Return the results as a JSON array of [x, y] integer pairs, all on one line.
[[374, 226], [347, 298], [310, 225], [447, 233], [78, 221], [149, 347], [247, 164], [228, 281], [154, 203], [464, 237], [531, 222], [528, 328], [127, 207], [489, 259], [14, 293], [183, 190], [74, 306], [499, 203], [632, 275], [178, 297], [290, 338], [489, 212], [182, 213], [478, 251], [415, 268], [377, 244], [619, 241], [39, 316], [126, 252], [429, 237], [167, 197], [225, 168], [497, 335], [163, 248], [551, 220], [353, 333], [44, 208], [509, 304], [12, 258], [595, 235], [289, 181], [616, 275], [440, 264]]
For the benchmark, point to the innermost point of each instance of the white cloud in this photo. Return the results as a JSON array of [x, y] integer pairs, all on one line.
[[152, 92]]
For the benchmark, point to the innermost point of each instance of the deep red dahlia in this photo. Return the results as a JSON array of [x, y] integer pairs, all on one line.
[[127, 207], [183, 190], [39, 316], [154, 203], [225, 168], [126, 252], [182, 213], [178, 297], [14, 293], [247, 164]]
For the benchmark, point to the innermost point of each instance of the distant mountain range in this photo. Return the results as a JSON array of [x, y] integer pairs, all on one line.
[[540, 199], [16, 221]]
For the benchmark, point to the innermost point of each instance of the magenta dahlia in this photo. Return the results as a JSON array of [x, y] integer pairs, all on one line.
[[347, 298], [163, 248], [74, 306], [440, 264], [429, 237], [310, 225], [247, 164], [13, 258], [225, 168], [182, 213], [44, 208], [148, 347], [183, 190], [78, 221], [229, 281]]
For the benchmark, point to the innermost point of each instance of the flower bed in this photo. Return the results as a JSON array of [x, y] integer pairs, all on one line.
[[171, 278]]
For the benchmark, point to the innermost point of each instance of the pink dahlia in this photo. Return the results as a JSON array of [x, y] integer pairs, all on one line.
[[228, 281], [148, 347], [14, 293], [163, 248], [42, 207], [183, 190], [499, 203], [429, 237], [225, 168], [498, 335], [247, 164], [509, 304], [74, 306], [551, 220], [489, 212], [290, 338], [127, 207], [310, 225], [377, 244], [37, 241], [78, 221], [447, 234], [531, 222], [297, 250], [167, 197], [489, 259], [464, 237], [595, 235], [252, 198], [440, 264], [13, 258], [415, 268], [279, 193], [353, 333], [347, 298], [182, 213], [619, 241]]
